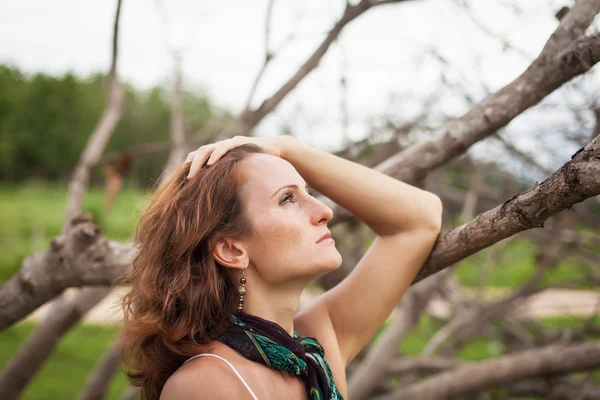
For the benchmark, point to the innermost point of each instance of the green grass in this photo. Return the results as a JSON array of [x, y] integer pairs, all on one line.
[[65, 372], [480, 347], [33, 214], [514, 265]]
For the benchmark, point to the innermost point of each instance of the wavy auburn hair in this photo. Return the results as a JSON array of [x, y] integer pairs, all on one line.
[[181, 298]]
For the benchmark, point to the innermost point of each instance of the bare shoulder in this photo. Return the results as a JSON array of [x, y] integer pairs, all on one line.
[[203, 378]]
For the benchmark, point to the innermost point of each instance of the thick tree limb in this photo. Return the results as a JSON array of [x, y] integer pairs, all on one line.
[[421, 365], [496, 372], [42, 277], [574, 182], [101, 134], [32, 355], [572, 25], [555, 389], [65, 313], [77, 258], [554, 66], [85, 258]]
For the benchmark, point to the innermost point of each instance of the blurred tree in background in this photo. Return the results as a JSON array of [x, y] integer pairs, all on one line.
[[56, 114]]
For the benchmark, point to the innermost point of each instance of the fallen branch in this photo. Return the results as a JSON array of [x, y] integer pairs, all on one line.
[[501, 371], [100, 135], [99, 379], [32, 355], [566, 55], [574, 182], [375, 365], [84, 257], [78, 258]]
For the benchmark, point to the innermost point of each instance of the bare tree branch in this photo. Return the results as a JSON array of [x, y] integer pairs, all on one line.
[[65, 314], [98, 381], [77, 258], [496, 372], [268, 54], [421, 365], [179, 147], [375, 365], [205, 135], [250, 118], [86, 258], [42, 276], [574, 182], [572, 25], [548, 72], [523, 156], [100, 135]]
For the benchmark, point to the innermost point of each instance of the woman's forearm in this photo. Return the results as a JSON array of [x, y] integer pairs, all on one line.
[[385, 204]]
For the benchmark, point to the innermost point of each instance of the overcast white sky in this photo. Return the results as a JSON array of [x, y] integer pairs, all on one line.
[[381, 53]]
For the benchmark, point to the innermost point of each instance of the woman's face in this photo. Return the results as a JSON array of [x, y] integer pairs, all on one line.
[[286, 222]]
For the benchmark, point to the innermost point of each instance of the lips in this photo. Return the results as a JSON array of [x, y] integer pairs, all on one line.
[[325, 236]]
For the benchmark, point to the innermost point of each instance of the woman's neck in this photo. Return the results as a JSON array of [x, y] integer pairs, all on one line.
[[278, 305]]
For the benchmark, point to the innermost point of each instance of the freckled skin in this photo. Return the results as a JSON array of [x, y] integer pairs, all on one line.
[[283, 246]]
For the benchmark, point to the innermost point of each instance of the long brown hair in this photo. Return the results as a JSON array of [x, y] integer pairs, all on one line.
[[181, 298]]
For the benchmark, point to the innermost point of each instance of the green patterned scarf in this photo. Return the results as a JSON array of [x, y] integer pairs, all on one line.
[[268, 343]]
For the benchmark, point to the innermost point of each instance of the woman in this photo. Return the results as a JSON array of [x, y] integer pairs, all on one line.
[[226, 248]]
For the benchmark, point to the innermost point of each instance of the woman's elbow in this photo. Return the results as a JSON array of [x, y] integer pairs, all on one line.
[[435, 209]]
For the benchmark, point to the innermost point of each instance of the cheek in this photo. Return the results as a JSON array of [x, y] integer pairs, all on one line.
[[278, 238]]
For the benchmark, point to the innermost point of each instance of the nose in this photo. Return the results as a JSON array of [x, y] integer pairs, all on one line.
[[322, 214]]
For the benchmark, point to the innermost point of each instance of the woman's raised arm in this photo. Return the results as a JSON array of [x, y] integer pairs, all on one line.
[[406, 220]]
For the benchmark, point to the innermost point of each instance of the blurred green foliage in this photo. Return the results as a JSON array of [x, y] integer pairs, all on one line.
[[45, 122], [67, 369], [33, 214]]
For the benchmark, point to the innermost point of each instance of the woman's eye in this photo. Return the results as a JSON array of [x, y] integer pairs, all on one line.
[[286, 198]]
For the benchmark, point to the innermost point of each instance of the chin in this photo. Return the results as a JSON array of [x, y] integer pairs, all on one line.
[[321, 267], [332, 264]]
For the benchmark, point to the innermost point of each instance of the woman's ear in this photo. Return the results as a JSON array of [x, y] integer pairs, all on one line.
[[231, 253]]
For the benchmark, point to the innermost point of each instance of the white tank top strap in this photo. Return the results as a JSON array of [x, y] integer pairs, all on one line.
[[232, 367]]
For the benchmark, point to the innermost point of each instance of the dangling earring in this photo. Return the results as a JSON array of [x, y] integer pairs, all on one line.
[[242, 291]]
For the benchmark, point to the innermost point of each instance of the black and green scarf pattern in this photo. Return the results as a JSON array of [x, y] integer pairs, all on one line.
[[268, 343]]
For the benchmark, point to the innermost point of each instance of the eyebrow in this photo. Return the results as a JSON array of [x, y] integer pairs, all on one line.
[[293, 186]]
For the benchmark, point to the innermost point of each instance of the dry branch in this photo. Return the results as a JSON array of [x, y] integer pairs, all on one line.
[[100, 135], [501, 371], [43, 276], [421, 365], [562, 59], [98, 381], [179, 146], [574, 182], [375, 365], [65, 314], [80, 257], [245, 122], [83, 257]]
